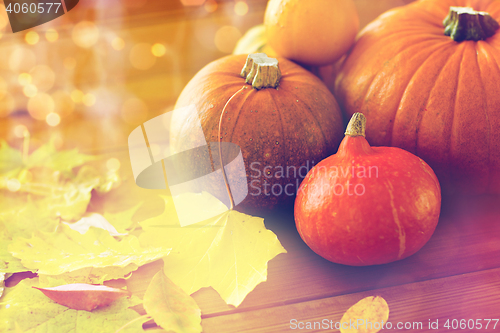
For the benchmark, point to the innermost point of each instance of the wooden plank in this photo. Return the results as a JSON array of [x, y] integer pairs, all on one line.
[[467, 240], [471, 296]]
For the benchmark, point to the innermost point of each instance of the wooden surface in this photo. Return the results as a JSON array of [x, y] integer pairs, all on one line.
[[455, 276]]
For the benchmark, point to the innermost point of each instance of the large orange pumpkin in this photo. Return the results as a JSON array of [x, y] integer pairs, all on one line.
[[432, 94], [282, 131]]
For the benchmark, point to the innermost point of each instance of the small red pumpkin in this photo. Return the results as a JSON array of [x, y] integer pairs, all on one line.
[[282, 129], [430, 93], [367, 205]]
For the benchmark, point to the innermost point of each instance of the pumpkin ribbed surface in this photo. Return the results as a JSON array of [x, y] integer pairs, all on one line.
[[428, 94], [278, 130]]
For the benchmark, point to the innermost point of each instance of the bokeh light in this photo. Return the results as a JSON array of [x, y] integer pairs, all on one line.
[[69, 63], [77, 96], [20, 131], [141, 57], [210, 6], [51, 35], [40, 106], [85, 34], [21, 59], [43, 77], [118, 43], [241, 8], [158, 50], [192, 2], [32, 37], [4, 19], [134, 111], [24, 79], [113, 164], [7, 104], [226, 38], [30, 90], [88, 99], [53, 119], [64, 105], [13, 185]]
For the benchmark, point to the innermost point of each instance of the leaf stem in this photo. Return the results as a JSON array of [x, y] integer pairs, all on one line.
[[231, 199], [133, 321]]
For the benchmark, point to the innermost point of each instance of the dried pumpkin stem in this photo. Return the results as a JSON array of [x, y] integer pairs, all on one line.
[[357, 125], [464, 23], [231, 199], [261, 71]]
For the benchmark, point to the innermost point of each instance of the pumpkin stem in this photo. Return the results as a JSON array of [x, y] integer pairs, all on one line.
[[357, 125], [261, 71], [464, 23]]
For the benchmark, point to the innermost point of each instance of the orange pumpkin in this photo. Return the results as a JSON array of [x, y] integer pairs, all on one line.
[[430, 93], [282, 131], [312, 32]]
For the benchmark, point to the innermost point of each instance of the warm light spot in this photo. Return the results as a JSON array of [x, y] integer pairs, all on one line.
[[24, 79], [40, 106], [226, 38], [13, 185], [192, 2], [43, 77], [113, 164], [158, 50], [30, 90], [85, 34], [7, 104], [77, 96], [64, 105], [118, 43], [20, 131], [241, 8], [88, 99], [53, 119], [21, 59], [210, 6], [51, 35], [32, 37], [57, 140], [141, 57], [4, 19], [134, 111], [69, 62]]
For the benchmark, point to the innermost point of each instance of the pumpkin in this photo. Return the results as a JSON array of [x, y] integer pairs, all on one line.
[[312, 32], [367, 205], [254, 41], [284, 120], [426, 76]]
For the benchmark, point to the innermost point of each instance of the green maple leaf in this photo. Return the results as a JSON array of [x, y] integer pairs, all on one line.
[[25, 308], [171, 307], [228, 252], [66, 250]]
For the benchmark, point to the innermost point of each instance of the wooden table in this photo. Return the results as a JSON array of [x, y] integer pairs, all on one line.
[[455, 276]]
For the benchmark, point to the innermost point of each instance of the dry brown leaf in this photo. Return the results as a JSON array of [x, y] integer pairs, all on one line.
[[369, 315], [81, 296]]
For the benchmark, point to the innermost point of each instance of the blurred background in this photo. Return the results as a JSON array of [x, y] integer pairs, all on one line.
[[88, 78]]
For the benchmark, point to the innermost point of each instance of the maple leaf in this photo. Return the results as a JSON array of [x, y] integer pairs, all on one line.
[[27, 309], [369, 316], [228, 252], [94, 275], [83, 296], [94, 220], [66, 250], [171, 307]]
